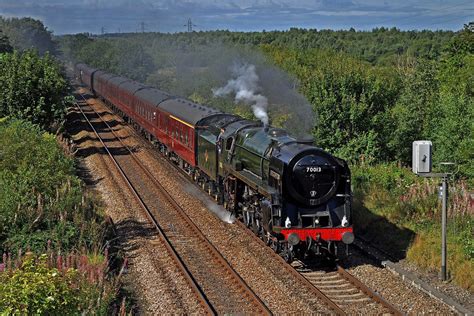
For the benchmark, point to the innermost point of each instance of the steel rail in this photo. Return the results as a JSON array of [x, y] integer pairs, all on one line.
[[331, 304], [341, 271], [204, 302], [367, 291], [247, 291]]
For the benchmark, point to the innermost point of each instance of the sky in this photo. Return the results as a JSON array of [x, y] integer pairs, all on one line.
[[112, 16]]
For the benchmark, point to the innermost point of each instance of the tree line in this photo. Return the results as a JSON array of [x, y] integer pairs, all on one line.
[[372, 93]]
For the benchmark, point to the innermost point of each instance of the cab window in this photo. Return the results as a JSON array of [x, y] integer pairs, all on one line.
[[228, 143]]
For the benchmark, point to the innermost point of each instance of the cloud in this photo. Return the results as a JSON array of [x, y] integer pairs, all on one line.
[[63, 16]]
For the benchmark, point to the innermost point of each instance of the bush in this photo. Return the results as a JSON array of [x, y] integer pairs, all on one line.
[[32, 88], [392, 202], [426, 253], [55, 285], [41, 198], [388, 176]]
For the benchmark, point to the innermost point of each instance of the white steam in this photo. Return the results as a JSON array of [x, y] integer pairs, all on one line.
[[219, 211], [245, 86]]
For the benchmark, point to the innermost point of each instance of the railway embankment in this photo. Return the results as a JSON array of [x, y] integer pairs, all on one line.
[[401, 214], [53, 233]]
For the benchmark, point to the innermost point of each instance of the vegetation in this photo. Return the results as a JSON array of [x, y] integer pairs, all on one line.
[[373, 93], [55, 285], [381, 46], [5, 46], [44, 208], [28, 33], [412, 205], [41, 198], [33, 88]]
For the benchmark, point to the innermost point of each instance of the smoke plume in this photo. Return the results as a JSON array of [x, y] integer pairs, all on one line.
[[245, 86]]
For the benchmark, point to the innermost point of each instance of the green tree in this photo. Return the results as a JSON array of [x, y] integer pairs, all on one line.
[[28, 33], [414, 109], [32, 88], [452, 128], [5, 46]]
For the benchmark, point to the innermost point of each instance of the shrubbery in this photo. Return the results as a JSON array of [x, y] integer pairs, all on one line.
[[44, 208], [32, 88], [41, 198], [55, 285], [412, 203]]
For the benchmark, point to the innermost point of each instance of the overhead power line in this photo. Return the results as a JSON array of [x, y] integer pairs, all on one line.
[[190, 25]]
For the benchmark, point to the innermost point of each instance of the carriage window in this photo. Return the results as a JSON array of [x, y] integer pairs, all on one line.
[[228, 143]]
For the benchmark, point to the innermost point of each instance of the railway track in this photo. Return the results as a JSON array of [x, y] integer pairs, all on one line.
[[345, 290], [342, 292], [338, 287], [217, 287]]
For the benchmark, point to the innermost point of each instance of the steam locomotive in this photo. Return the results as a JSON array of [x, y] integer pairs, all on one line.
[[292, 194]]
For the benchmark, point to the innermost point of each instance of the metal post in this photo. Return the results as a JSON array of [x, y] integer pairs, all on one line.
[[444, 216]]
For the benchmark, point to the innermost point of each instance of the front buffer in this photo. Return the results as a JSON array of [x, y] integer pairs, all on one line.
[[318, 241]]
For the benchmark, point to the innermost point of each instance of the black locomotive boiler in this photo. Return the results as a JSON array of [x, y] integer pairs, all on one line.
[[291, 193]]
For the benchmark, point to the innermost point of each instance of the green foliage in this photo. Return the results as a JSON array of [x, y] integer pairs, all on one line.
[[373, 93], [37, 289], [70, 285], [453, 123], [388, 177], [391, 201], [5, 46], [350, 97], [380, 46], [32, 88], [414, 109], [426, 252], [27, 33], [41, 199]]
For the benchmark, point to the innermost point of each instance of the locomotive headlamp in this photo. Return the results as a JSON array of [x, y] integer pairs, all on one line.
[[348, 238], [316, 221], [293, 239]]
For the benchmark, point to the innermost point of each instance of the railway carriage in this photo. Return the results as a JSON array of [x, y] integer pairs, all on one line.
[[114, 93], [292, 194], [84, 73], [182, 118]]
